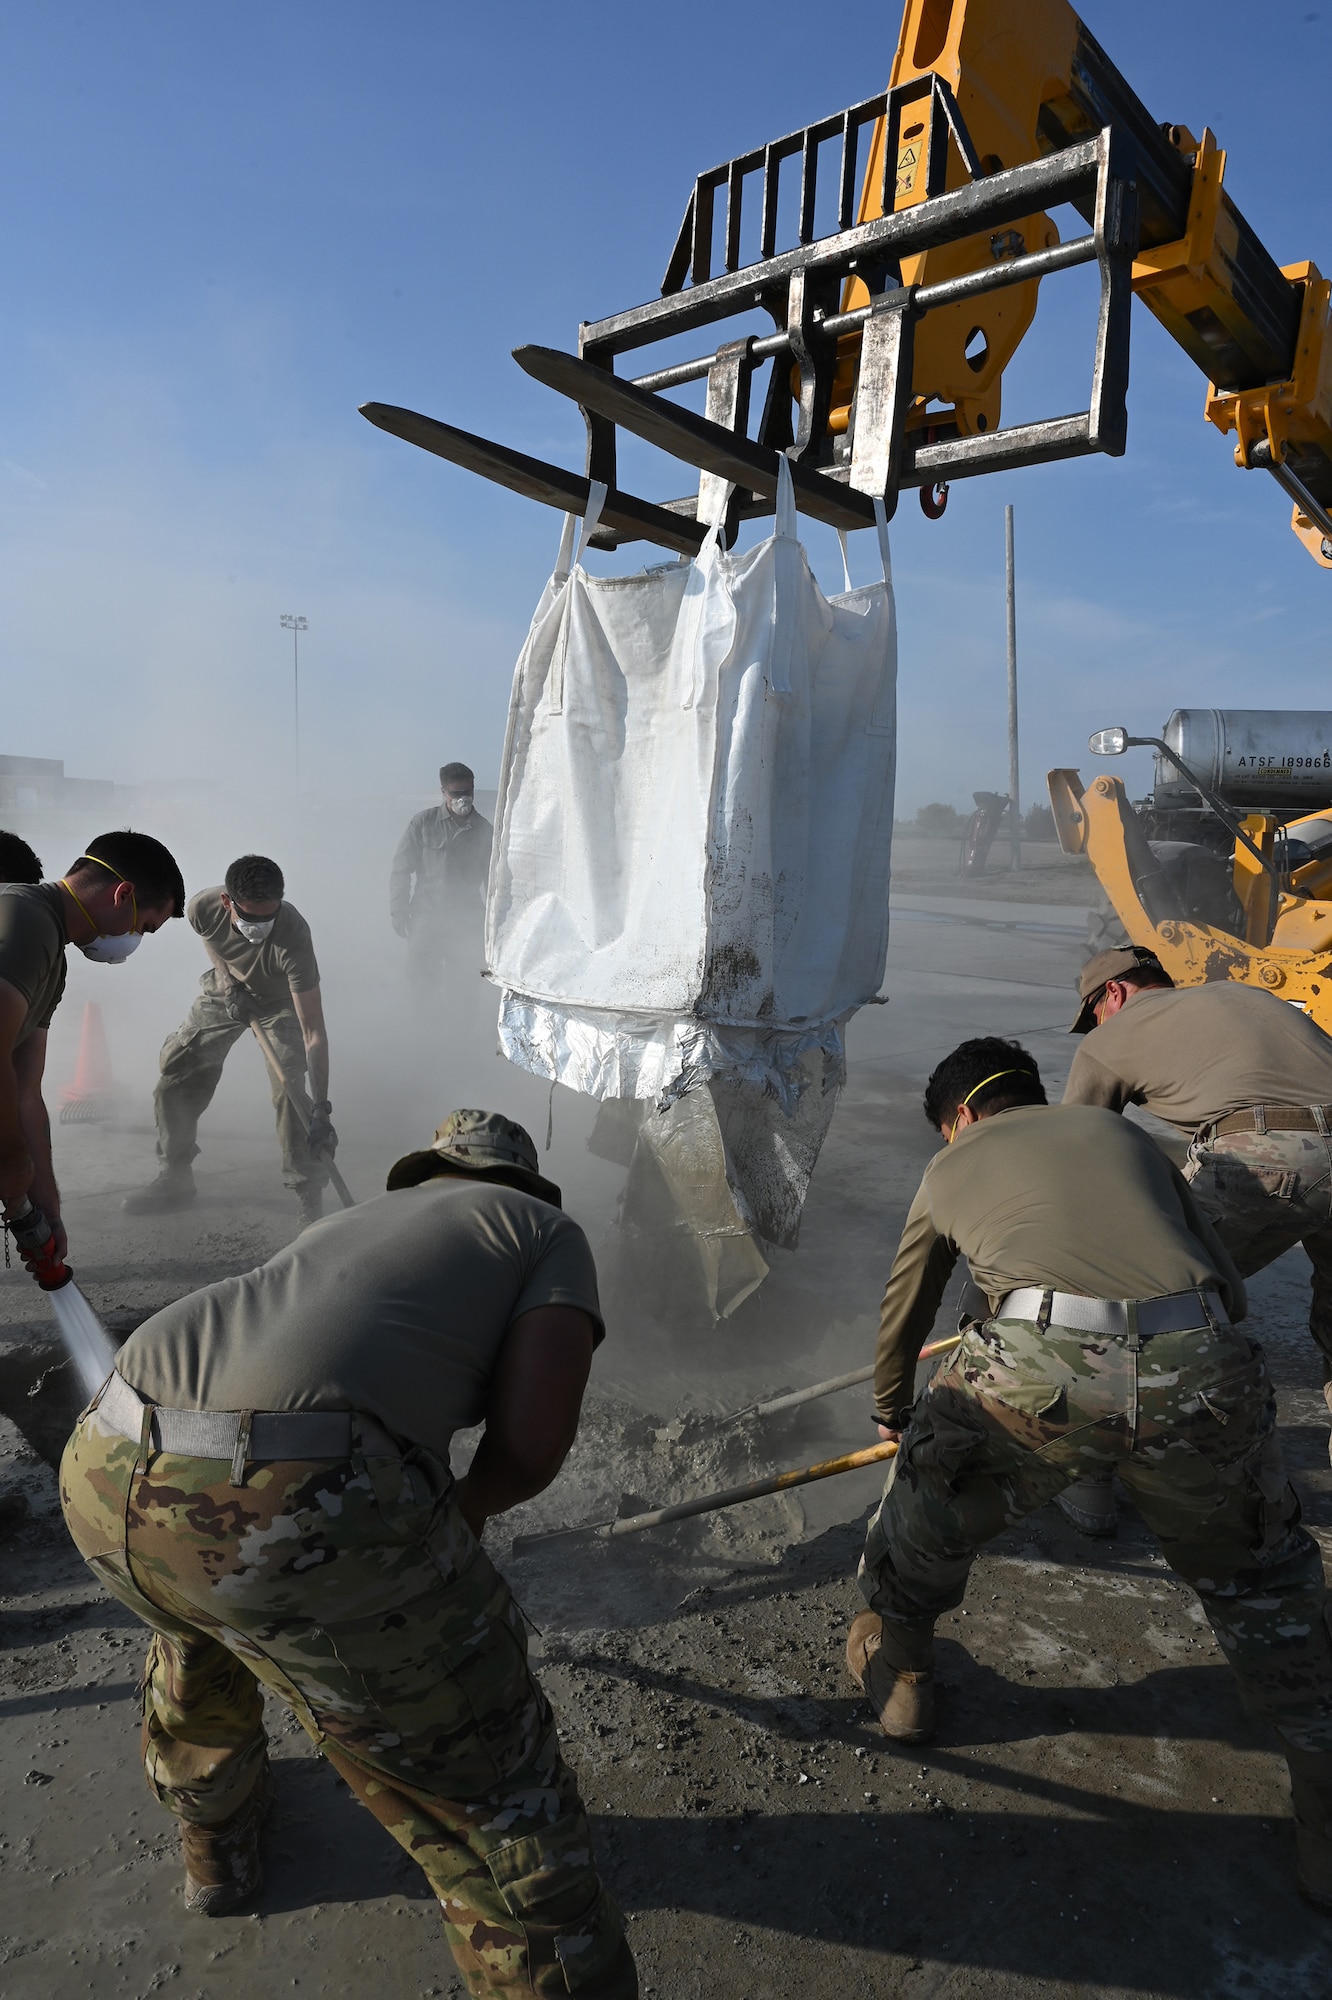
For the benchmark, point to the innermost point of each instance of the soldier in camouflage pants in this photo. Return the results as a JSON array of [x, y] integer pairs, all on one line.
[[1188, 1421], [1264, 1192], [357, 1593], [1110, 1345], [191, 1069]]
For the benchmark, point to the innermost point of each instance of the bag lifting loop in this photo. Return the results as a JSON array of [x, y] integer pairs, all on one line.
[[596, 500], [692, 608]]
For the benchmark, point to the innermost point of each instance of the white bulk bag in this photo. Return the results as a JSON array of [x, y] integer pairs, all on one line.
[[690, 874]]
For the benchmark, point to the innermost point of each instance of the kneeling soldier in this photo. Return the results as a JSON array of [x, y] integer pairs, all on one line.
[[1248, 1079], [1111, 1344], [265, 1482]]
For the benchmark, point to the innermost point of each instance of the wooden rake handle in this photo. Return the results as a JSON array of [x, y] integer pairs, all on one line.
[[707, 1503]]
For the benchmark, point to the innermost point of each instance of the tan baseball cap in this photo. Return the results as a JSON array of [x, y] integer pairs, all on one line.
[[484, 1145], [1097, 973]]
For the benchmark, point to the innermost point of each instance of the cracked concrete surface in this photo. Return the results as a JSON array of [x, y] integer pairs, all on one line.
[[1097, 1816]]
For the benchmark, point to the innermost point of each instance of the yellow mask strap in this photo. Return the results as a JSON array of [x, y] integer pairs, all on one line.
[[98, 863], [980, 1086], [64, 883]]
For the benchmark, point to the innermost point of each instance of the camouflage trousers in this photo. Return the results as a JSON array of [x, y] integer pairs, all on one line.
[[357, 1593], [1264, 1192], [1188, 1422], [191, 1069]]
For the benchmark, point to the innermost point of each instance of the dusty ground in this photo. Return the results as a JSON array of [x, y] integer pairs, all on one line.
[[1097, 1816], [925, 866]]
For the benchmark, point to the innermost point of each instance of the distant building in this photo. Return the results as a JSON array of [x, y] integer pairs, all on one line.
[[39, 784]]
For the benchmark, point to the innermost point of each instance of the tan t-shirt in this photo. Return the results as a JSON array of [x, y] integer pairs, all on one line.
[[1064, 1196], [397, 1308], [283, 963], [1192, 1053], [32, 949]]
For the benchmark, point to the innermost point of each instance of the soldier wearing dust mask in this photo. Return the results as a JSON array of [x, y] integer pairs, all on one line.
[[262, 974], [437, 886], [121, 889]]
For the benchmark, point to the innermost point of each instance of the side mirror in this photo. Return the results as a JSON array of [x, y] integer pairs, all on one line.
[[1108, 742]]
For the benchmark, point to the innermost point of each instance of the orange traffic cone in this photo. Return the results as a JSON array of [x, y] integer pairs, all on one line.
[[90, 1095]]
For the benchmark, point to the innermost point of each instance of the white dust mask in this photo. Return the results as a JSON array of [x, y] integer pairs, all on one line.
[[460, 808], [112, 950], [254, 933]]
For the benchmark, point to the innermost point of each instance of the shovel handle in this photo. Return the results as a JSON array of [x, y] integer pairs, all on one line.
[[344, 1193], [796, 1397], [781, 1482], [707, 1503]]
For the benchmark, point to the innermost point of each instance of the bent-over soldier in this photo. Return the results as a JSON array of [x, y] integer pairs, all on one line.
[[1111, 1342], [265, 1481], [1247, 1078], [263, 975]]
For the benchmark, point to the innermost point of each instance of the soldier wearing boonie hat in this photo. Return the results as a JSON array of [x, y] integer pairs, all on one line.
[[295, 1525], [481, 1143], [1247, 1079]]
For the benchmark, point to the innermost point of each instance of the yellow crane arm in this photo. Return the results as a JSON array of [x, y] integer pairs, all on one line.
[[1028, 79], [1296, 964]]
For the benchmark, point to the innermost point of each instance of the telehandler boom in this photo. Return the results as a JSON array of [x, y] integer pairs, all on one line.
[[901, 280]]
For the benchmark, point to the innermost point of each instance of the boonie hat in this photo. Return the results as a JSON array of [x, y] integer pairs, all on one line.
[[483, 1144], [1097, 973]]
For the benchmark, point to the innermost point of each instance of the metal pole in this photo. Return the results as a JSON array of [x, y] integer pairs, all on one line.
[[291, 622], [798, 1396], [1014, 807]]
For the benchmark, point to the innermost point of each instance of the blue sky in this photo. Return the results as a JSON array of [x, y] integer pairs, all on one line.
[[225, 227]]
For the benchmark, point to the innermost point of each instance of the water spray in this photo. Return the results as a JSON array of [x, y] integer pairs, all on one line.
[[82, 1333]]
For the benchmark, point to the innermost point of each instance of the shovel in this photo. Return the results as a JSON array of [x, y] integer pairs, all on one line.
[[797, 1396], [706, 1503], [261, 1035]]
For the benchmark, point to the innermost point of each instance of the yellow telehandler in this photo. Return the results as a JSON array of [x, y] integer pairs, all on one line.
[[896, 249], [1262, 780]]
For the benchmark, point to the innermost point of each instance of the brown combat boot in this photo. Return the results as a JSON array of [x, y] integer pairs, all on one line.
[[1311, 1800], [223, 1870], [893, 1666], [1089, 1503]]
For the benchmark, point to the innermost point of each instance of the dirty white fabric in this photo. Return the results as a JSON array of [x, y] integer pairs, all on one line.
[[603, 1054], [692, 840], [689, 891]]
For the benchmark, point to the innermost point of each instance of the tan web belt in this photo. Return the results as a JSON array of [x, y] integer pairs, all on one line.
[[1133, 1320], [1272, 1118], [242, 1436]]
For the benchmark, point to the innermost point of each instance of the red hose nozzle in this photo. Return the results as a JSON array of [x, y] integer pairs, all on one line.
[[31, 1230]]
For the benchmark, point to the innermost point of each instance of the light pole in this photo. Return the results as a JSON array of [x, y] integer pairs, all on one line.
[[1014, 823], [294, 625]]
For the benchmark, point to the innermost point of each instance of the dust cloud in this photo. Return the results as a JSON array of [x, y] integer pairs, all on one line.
[[741, 1793]]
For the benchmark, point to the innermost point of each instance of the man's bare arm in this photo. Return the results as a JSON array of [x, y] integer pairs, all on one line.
[[310, 1013], [17, 1165], [25, 1127], [536, 1394]]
